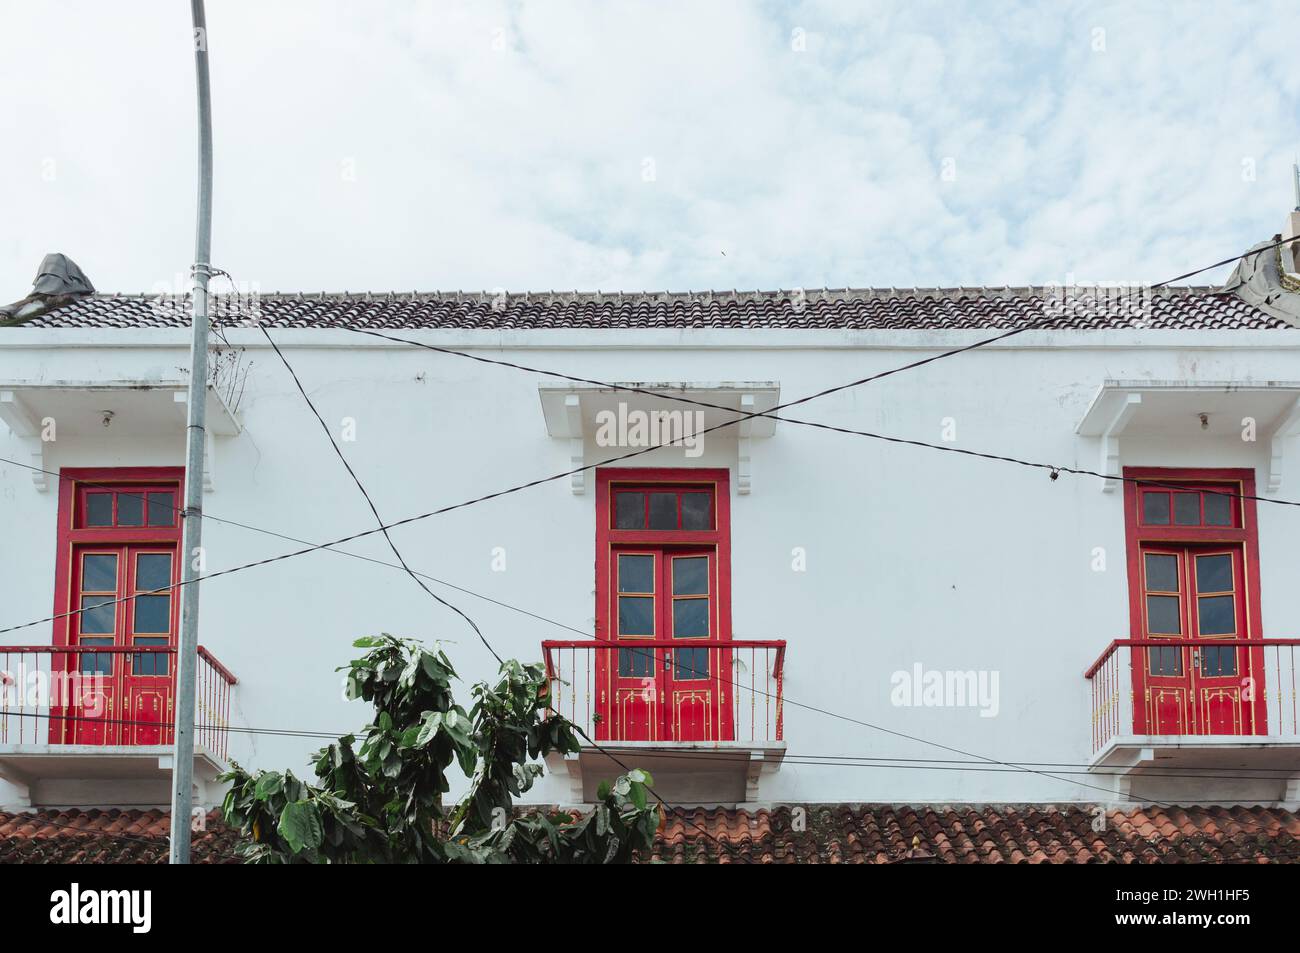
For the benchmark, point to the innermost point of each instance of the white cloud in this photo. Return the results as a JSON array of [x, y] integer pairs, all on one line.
[[410, 145]]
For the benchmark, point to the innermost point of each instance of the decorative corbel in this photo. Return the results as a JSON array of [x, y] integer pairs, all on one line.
[[23, 423], [1110, 439], [1286, 426], [577, 447], [744, 470]]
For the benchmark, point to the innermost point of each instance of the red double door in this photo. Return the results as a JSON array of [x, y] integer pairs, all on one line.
[[121, 697], [1194, 601], [669, 676]]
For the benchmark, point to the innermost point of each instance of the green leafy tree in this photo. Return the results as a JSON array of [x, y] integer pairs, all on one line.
[[382, 802]]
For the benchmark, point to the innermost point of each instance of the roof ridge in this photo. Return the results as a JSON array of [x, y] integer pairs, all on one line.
[[704, 294]]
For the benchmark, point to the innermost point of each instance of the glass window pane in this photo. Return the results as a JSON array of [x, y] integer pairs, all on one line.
[[1162, 572], [690, 618], [1155, 509], [696, 512], [663, 510], [691, 576], [1165, 661], [99, 573], [629, 511], [1216, 615], [162, 509], [1218, 660], [1162, 615], [1187, 509], [1218, 509], [99, 509], [100, 618], [636, 615], [1214, 573], [636, 573], [153, 614], [689, 664], [150, 663], [96, 663], [636, 663], [130, 509], [153, 571]]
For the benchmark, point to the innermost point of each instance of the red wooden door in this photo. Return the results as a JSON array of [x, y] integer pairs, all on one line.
[[151, 619], [663, 599], [635, 708], [693, 673], [96, 709], [669, 679], [1193, 596], [122, 698]]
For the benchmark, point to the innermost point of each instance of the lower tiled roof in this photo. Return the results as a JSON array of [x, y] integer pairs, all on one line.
[[814, 834], [1202, 308], [106, 837], [982, 835]]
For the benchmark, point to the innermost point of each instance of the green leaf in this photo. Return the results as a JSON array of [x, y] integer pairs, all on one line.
[[429, 729], [637, 794], [300, 826], [268, 785]]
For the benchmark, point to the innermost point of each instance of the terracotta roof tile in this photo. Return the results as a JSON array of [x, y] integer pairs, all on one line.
[[843, 833], [105, 837], [852, 308], [1002, 834]]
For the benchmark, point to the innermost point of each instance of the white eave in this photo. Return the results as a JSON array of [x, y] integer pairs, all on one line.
[[1173, 408], [40, 411], [570, 412]]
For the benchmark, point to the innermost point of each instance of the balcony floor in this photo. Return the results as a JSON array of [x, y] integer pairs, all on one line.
[[1215, 767], [51, 775], [704, 773]]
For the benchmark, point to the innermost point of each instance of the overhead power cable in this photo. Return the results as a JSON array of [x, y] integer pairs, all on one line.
[[385, 527], [802, 758], [644, 450], [371, 503], [391, 545], [305, 542]]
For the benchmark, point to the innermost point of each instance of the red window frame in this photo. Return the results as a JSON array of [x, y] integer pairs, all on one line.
[[74, 485], [1243, 535], [718, 720]]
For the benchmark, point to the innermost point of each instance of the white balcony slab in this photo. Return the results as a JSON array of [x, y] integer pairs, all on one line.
[[59, 776], [1202, 768], [706, 773]]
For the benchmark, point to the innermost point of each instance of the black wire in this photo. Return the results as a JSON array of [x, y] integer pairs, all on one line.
[[1052, 468], [371, 503], [748, 416], [304, 542], [785, 699], [722, 756], [644, 450]]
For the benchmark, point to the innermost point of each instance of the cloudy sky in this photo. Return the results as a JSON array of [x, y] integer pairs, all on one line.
[[622, 145]]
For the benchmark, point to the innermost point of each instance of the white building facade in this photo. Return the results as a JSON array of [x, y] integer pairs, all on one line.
[[763, 612]]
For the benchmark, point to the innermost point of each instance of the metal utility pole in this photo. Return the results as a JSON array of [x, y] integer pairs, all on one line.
[[195, 434]]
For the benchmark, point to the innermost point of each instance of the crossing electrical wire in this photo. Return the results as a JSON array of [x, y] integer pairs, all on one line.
[[304, 542], [644, 450], [931, 359], [371, 503], [391, 545]]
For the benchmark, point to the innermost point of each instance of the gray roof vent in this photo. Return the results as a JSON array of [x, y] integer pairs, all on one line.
[[58, 281]]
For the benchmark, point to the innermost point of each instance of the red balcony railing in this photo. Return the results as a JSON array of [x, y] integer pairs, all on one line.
[[1202, 687], [107, 695], [669, 690]]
